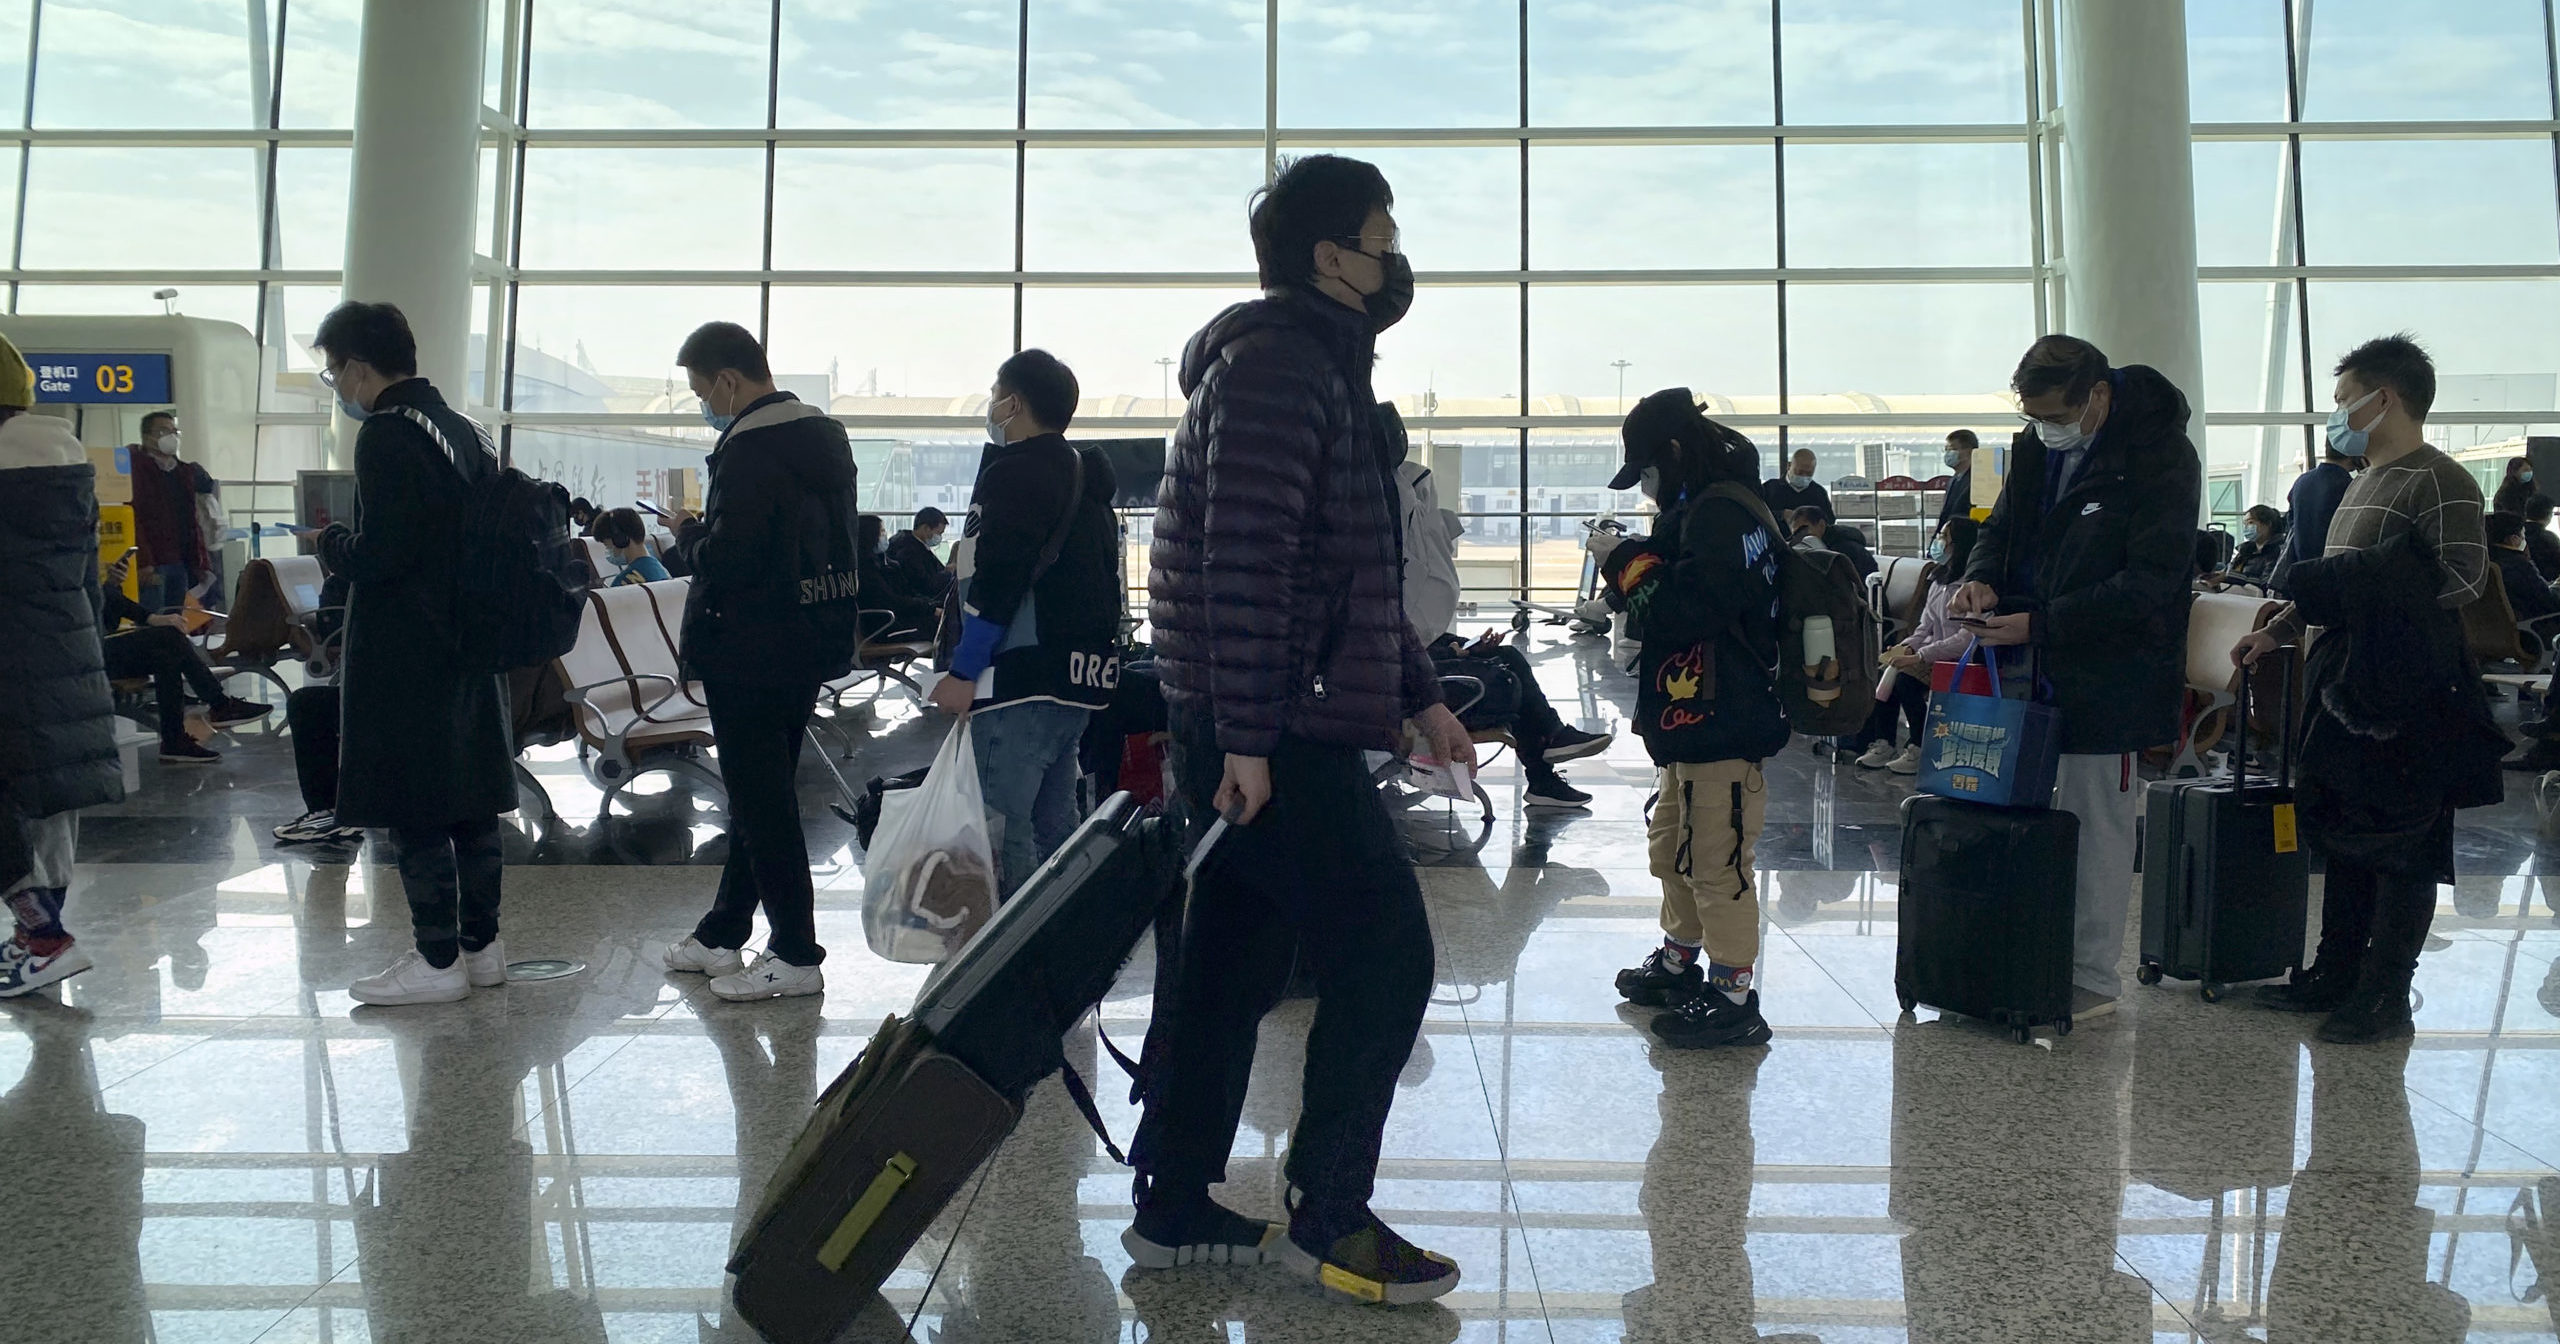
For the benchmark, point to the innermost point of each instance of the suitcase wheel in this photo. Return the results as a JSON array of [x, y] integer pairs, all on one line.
[[1908, 1002], [2063, 1027], [2147, 973], [2022, 1033], [2212, 991]]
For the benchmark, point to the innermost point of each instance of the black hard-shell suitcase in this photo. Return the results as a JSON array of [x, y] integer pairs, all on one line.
[[2226, 887], [1986, 908], [932, 1096]]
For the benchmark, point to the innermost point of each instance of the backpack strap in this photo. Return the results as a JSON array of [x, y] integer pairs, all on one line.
[[1057, 542], [436, 433]]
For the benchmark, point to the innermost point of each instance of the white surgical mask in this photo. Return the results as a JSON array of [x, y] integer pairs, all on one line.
[[995, 426], [1651, 483], [2063, 438], [1799, 479]]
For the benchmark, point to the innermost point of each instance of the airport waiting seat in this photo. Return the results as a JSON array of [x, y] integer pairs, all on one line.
[[600, 566], [636, 711], [1899, 590], [2215, 622], [274, 618]]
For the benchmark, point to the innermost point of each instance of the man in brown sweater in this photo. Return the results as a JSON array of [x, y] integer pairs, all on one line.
[[2374, 802]]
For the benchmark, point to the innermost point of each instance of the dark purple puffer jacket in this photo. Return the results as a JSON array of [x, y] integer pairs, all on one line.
[[1276, 579]]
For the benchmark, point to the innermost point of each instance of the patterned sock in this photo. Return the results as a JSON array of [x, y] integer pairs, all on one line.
[[39, 912], [1687, 953], [1735, 981]]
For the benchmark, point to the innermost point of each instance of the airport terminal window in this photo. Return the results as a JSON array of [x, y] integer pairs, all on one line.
[[1135, 209], [894, 210], [1097, 64], [1906, 205], [1702, 207], [1600, 63], [1879, 62]]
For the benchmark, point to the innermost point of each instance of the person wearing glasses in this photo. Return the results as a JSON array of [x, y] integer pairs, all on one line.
[[424, 748], [1285, 652], [2087, 560]]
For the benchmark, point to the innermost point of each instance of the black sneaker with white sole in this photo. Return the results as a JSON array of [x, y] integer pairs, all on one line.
[[1662, 980], [1713, 1019], [316, 827], [1198, 1232], [1550, 790], [1572, 744], [189, 752], [232, 711]]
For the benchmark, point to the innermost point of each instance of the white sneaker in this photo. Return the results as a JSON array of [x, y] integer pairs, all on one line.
[[487, 967], [1878, 752], [770, 978], [691, 956], [23, 972], [1906, 762], [412, 979]]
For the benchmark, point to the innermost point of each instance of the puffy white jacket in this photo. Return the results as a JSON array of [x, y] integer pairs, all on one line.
[[1430, 553]]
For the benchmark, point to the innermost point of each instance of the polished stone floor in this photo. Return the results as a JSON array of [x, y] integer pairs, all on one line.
[[206, 1142]]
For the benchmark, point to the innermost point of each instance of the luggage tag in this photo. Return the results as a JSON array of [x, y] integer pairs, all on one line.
[[2287, 839]]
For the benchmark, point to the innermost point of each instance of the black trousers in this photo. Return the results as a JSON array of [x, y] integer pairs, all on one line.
[[1512, 696], [1909, 702], [451, 874], [311, 715], [760, 729], [174, 666], [1320, 876], [2375, 922]]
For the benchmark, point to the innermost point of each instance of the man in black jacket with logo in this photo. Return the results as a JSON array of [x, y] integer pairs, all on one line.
[[1039, 646], [769, 618], [910, 559], [1285, 652], [2088, 558]]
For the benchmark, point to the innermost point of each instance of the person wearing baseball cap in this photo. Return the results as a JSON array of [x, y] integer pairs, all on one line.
[[1704, 591], [57, 733]]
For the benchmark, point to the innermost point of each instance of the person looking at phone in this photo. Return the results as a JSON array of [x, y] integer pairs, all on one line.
[[1285, 652], [156, 646], [1511, 699], [2087, 560]]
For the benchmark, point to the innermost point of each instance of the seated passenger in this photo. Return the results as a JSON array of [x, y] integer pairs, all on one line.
[[1935, 639], [910, 559], [2527, 594], [2255, 560], [626, 539], [1512, 699], [883, 589], [2538, 540], [157, 647], [1814, 530]]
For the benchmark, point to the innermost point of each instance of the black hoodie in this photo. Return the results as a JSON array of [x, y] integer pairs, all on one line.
[[1074, 607], [2107, 571], [779, 509]]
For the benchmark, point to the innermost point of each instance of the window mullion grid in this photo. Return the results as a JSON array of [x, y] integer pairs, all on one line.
[[1778, 161], [513, 223], [2296, 50], [1527, 555], [26, 148], [772, 119]]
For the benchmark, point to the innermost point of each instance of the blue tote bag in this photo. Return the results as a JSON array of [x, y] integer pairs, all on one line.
[[1988, 748]]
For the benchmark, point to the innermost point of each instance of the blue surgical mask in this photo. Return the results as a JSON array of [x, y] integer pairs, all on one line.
[[2344, 437], [1938, 549], [717, 421], [351, 410], [1949, 457]]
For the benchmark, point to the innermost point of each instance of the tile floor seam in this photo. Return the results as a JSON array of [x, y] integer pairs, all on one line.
[[1501, 1149], [2126, 1264], [235, 1024], [2469, 1123], [1843, 986]]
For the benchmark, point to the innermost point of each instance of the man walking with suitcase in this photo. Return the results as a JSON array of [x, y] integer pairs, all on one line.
[[1704, 590], [1284, 650], [2396, 735], [2086, 561]]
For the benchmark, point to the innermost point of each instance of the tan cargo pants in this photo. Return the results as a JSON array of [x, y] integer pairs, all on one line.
[[1699, 840]]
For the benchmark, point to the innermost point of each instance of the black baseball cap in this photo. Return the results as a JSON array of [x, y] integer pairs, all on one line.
[[1650, 424]]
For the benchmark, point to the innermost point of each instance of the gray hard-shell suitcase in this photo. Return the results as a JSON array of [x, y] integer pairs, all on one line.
[[2226, 886]]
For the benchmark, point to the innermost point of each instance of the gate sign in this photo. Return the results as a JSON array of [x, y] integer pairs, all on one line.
[[101, 379]]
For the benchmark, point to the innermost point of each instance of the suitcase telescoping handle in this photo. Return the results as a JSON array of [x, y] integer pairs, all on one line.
[[2284, 727]]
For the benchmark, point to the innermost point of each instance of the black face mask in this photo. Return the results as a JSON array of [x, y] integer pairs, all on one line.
[[1394, 296]]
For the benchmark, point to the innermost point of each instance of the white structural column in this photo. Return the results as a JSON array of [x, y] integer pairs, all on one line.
[[2129, 206], [413, 194]]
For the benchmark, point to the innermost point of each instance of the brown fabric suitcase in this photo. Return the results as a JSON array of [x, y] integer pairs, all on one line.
[[893, 1140]]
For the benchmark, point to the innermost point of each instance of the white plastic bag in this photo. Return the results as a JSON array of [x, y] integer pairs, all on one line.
[[929, 880]]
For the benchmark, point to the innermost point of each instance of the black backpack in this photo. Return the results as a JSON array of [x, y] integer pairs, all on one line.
[[520, 578], [1835, 699]]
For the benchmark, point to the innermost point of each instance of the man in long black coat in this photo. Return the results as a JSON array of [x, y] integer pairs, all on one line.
[[425, 748]]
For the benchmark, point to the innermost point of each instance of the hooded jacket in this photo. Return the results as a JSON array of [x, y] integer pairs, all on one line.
[[2106, 572], [57, 725], [1276, 575], [1704, 592], [1431, 590], [779, 509]]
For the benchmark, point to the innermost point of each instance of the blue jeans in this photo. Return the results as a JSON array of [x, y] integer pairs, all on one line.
[[164, 587], [1027, 769]]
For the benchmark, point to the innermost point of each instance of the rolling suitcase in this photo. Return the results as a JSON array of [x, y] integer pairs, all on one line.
[[1986, 907], [2226, 887], [934, 1094]]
